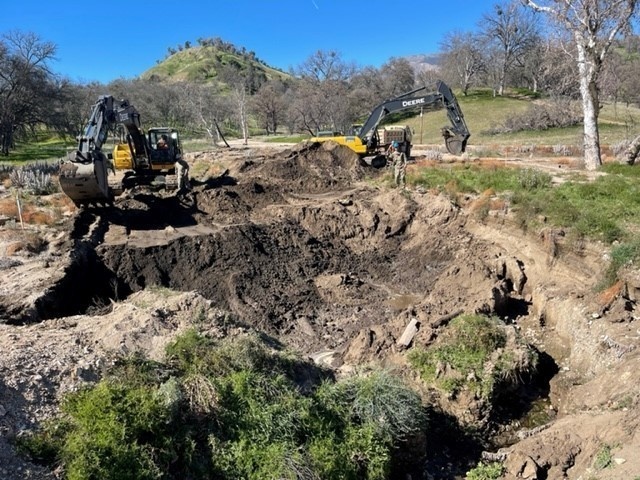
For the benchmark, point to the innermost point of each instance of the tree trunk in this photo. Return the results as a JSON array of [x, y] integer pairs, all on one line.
[[245, 127], [590, 109], [631, 153]]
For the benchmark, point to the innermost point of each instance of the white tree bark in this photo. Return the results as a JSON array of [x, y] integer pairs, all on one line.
[[594, 24], [590, 110]]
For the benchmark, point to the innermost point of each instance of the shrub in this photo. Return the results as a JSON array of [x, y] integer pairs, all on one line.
[[229, 410], [433, 155], [485, 471], [471, 353], [603, 458], [532, 179], [382, 400], [116, 432], [36, 178], [558, 113]]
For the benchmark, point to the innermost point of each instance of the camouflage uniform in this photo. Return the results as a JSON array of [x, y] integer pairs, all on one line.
[[182, 171], [399, 161]]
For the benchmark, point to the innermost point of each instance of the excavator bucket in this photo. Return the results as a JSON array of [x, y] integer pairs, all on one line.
[[86, 182], [456, 143]]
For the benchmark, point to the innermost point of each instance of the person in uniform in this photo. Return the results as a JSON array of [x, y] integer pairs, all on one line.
[[399, 162]]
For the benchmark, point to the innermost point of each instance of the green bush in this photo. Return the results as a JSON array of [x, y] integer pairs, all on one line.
[[604, 458], [230, 410], [485, 471], [532, 179], [460, 357], [116, 432]]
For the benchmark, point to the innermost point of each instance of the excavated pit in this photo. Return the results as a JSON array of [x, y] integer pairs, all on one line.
[[319, 253], [304, 245]]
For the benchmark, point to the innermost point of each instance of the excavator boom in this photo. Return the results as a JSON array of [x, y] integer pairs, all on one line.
[[365, 141], [455, 136], [83, 176]]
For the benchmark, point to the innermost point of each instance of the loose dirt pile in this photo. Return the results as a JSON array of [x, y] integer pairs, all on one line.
[[312, 248]]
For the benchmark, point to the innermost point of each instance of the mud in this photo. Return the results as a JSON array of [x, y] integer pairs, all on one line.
[[318, 251]]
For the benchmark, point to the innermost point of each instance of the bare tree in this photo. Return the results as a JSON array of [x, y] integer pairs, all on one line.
[[611, 80], [28, 89], [463, 58], [239, 96], [73, 111], [325, 66], [367, 87], [321, 99], [512, 30], [630, 92], [398, 77], [429, 76], [205, 108], [593, 24], [558, 74], [268, 105]]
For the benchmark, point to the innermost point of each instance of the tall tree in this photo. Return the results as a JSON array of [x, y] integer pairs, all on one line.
[[512, 31], [325, 81], [463, 58], [593, 24], [28, 89], [398, 77], [239, 97], [203, 105], [268, 105]]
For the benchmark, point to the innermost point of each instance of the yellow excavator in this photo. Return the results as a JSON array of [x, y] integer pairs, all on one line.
[[83, 174], [365, 139]]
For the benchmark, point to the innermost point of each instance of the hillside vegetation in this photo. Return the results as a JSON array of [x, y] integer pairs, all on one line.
[[205, 63]]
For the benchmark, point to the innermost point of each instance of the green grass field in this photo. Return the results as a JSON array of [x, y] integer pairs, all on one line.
[[483, 112]]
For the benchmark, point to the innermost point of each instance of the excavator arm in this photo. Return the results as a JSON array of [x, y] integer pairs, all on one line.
[[83, 176], [455, 136]]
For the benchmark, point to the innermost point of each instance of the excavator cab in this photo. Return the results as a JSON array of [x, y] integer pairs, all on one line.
[[164, 147]]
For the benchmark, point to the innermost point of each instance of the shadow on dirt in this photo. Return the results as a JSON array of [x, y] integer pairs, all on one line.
[[452, 448], [222, 180], [143, 211]]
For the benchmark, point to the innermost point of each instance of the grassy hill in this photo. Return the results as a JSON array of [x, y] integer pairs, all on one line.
[[204, 63]]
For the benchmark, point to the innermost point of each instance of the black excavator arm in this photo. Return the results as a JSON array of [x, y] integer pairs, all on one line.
[[105, 114], [83, 176], [455, 136]]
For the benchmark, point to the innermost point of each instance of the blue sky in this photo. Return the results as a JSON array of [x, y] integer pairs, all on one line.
[[104, 41]]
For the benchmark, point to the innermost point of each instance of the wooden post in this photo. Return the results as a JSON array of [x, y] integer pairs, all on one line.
[[19, 208]]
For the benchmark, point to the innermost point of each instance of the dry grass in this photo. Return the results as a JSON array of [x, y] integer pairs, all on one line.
[[14, 247], [30, 242], [46, 212], [485, 203], [8, 207]]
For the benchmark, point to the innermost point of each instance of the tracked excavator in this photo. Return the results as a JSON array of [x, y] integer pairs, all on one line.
[[83, 174], [365, 140]]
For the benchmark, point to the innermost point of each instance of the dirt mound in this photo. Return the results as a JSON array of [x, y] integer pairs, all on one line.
[[310, 167]]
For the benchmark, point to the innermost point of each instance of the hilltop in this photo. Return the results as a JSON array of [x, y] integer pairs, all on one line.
[[204, 63]]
